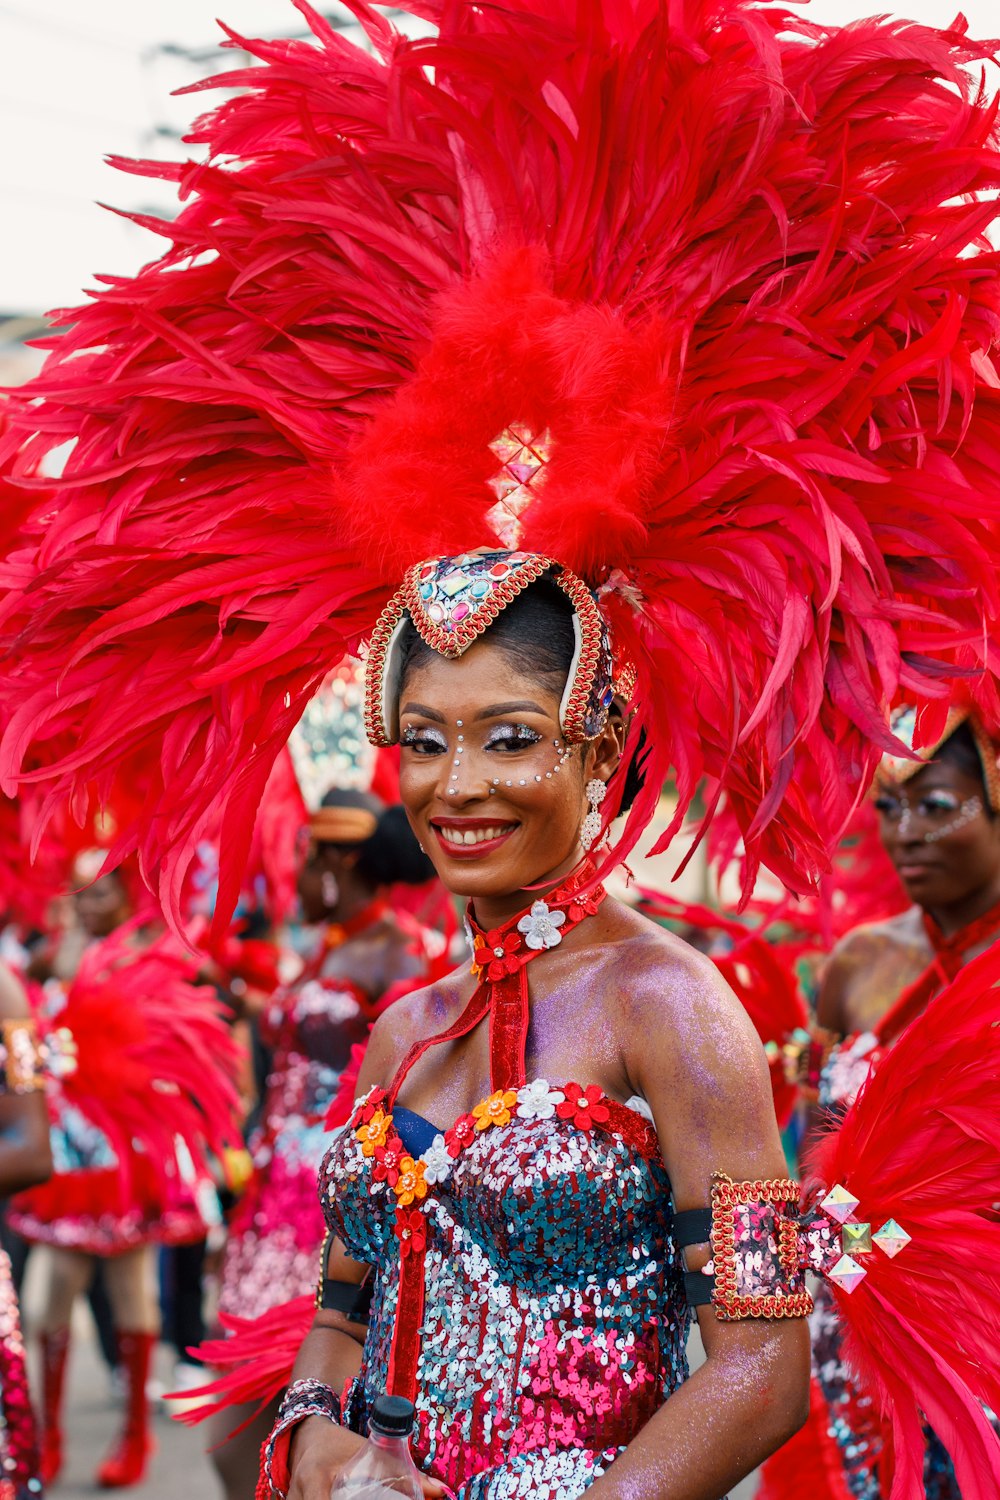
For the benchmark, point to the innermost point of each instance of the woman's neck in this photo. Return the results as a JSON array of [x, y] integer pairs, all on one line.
[[353, 900], [958, 914], [494, 910]]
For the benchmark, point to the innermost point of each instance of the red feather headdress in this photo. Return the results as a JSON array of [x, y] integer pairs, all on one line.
[[734, 262]]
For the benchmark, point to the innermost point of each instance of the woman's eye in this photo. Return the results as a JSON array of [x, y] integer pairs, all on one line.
[[424, 741], [888, 807], [938, 804], [510, 738]]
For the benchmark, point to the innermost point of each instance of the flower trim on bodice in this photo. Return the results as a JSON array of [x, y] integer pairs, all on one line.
[[411, 1178]]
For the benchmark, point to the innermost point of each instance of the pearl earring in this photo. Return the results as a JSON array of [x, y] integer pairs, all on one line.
[[591, 828], [329, 889]]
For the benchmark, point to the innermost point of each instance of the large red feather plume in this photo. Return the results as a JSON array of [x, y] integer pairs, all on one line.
[[155, 1059], [735, 261], [921, 1145]]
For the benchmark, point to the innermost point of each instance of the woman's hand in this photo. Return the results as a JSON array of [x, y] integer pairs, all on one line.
[[320, 1449]]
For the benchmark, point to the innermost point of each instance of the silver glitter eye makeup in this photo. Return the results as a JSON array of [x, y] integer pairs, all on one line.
[[513, 736], [415, 738]]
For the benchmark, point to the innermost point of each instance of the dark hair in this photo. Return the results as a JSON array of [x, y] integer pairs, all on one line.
[[961, 751], [389, 856], [535, 632]]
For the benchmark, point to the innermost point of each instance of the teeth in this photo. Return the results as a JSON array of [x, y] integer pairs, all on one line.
[[471, 835]]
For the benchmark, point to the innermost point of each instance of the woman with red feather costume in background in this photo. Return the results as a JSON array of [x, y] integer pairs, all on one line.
[[939, 818], [315, 1027], [674, 322], [133, 1120]]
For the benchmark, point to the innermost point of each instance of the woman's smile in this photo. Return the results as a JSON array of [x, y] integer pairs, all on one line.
[[465, 838]]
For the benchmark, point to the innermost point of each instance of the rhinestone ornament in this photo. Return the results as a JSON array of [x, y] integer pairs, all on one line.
[[847, 1274], [839, 1203], [856, 1239], [891, 1238]]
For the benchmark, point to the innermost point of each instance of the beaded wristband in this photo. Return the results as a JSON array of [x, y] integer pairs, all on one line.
[[303, 1398]]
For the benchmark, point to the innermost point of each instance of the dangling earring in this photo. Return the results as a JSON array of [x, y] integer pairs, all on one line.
[[329, 889], [591, 827]]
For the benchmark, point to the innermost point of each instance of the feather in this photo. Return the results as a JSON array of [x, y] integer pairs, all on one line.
[[734, 260], [921, 1145], [256, 1361]]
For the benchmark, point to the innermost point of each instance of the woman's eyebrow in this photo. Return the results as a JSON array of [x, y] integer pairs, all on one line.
[[423, 711], [498, 710]]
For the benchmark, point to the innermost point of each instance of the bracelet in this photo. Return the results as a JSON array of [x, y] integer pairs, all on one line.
[[303, 1398]]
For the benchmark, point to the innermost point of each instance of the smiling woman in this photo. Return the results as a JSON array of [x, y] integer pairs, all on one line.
[[477, 1089], [622, 377]]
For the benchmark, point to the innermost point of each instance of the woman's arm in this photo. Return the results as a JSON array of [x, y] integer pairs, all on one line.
[[25, 1153], [702, 1070]]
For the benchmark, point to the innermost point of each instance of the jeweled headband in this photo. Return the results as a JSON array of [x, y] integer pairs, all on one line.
[[901, 769], [452, 601]]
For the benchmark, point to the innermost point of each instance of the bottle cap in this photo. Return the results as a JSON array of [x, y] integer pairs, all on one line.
[[392, 1415]]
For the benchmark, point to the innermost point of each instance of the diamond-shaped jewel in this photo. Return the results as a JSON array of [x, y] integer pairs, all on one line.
[[839, 1203], [856, 1239], [453, 584], [506, 445], [502, 483], [847, 1273], [891, 1238], [524, 465]]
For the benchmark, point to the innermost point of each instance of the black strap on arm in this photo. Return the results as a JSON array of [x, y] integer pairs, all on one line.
[[694, 1227], [348, 1298]]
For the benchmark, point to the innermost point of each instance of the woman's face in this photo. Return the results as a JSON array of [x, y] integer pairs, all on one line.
[[102, 906], [939, 835], [491, 789]]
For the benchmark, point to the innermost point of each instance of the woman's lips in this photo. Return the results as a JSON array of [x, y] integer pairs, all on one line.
[[471, 838]]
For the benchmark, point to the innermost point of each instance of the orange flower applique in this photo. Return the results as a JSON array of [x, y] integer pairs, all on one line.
[[374, 1132], [410, 1184], [496, 1109]]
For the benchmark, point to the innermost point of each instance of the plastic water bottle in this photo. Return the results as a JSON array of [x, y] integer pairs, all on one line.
[[383, 1470]]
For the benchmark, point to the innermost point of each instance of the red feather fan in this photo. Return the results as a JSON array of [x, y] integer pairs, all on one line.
[[256, 1360], [155, 1059], [921, 1145], [721, 252]]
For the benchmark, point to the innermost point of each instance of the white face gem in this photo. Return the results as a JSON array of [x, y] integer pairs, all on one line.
[[461, 736], [459, 723], [451, 791], [538, 778]]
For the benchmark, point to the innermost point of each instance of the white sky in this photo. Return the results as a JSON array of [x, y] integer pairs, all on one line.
[[78, 81]]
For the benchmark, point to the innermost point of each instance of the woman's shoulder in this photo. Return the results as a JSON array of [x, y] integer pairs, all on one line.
[[659, 975], [420, 1013], [868, 939]]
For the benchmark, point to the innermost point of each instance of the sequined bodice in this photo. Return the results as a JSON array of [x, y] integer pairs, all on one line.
[[554, 1318], [310, 1028]]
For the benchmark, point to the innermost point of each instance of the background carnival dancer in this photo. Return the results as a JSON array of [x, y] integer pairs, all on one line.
[[670, 307], [151, 1090], [357, 849], [25, 1159], [939, 818]]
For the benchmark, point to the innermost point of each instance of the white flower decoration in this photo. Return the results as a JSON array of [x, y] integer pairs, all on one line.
[[536, 1101], [541, 927], [437, 1162]]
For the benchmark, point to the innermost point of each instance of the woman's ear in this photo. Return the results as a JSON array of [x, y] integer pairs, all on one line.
[[605, 752]]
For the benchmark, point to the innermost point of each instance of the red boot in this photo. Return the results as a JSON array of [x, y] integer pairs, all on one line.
[[55, 1350], [126, 1463]]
